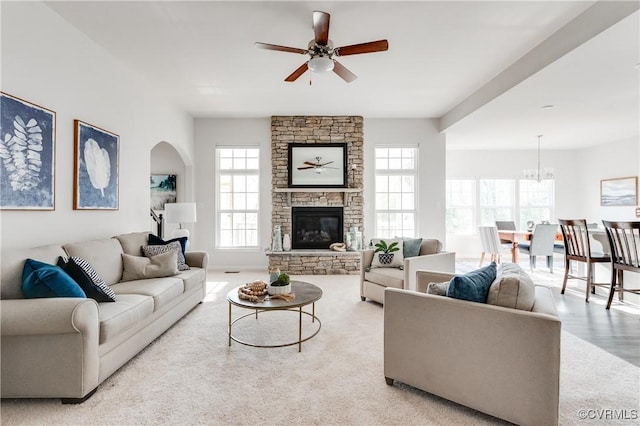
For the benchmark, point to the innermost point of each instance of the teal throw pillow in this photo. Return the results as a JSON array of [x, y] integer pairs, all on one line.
[[40, 279], [473, 286], [411, 247]]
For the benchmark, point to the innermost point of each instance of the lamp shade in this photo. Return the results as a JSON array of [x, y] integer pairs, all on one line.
[[320, 64], [180, 213]]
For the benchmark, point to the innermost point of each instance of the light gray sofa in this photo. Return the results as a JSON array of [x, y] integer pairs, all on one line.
[[65, 347], [373, 281], [499, 360]]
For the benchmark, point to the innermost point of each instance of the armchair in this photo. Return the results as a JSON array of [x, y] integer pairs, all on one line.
[[373, 281]]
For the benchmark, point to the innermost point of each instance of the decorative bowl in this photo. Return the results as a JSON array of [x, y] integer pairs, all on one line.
[[279, 289]]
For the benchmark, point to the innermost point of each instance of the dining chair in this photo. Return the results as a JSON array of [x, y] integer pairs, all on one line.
[[577, 248], [505, 225], [490, 243], [624, 242], [541, 244]]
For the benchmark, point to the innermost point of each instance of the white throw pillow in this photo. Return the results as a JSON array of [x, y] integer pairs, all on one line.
[[512, 288], [388, 260], [139, 267]]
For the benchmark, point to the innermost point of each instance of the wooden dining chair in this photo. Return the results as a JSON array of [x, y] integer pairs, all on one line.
[[577, 248], [624, 242]]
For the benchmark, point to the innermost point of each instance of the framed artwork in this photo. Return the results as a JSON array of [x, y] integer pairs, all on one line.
[[163, 190], [27, 153], [619, 191], [96, 168], [317, 165]]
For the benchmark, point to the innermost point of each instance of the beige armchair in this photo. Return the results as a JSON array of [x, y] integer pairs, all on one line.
[[373, 281], [502, 361]]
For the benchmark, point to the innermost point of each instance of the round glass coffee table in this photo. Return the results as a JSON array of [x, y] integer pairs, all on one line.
[[306, 294]]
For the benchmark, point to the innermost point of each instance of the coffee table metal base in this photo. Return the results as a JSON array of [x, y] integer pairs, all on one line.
[[298, 342]]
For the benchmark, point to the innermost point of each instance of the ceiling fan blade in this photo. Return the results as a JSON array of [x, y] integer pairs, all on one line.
[[304, 168], [321, 27], [310, 163], [322, 165], [370, 47], [344, 73], [297, 73], [279, 48]]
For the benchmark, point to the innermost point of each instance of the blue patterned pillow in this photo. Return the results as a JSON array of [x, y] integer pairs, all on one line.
[[150, 251], [473, 286], [40, 279]]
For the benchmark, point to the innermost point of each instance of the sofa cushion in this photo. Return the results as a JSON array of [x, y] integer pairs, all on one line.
[[132, 242], [139, 267], [13, 264], [387, 277], [390, 260], [430, 246], [473, 286], [512, 288], [192, 278], [162, 290], [104, 255], [156, 250], [123, 314], [40, 279], [157, 241], [87, 278]]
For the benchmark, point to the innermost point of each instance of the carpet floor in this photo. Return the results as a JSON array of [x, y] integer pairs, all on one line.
[[190, 375]]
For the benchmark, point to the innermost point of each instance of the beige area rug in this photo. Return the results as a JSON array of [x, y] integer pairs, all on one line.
[[191, 376]]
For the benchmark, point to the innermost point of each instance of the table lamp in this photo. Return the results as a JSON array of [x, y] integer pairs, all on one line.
[[180, 213]]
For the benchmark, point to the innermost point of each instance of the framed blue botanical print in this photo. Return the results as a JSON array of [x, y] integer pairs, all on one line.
[[27, 154], [96, 168]]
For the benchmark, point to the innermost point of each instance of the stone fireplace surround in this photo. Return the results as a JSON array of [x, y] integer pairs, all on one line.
[[316, 129]]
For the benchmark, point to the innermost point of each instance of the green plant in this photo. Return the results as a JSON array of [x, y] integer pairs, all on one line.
[[381, 246], [282, 280]]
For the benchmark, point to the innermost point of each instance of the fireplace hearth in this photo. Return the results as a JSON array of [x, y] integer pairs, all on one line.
[[316, 227]]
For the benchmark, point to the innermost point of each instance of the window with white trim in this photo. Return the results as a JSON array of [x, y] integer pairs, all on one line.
[[461, 206], [536, 201], [497, 200], [237, 197], [395, 199]]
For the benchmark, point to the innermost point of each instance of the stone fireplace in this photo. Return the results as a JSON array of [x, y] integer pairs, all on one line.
[[310, 130]]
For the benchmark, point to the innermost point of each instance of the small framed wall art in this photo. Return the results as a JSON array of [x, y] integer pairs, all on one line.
[[27, 153], [619, 191], [96, 168], [163, 190], [317, 165]]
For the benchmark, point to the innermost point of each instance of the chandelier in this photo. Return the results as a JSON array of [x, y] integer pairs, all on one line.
[[538, 174]]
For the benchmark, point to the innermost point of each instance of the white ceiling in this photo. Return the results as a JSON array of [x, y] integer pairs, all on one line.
[[201, 55]]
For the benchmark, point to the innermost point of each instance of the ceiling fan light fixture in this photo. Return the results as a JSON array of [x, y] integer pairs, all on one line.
[[321, 64]]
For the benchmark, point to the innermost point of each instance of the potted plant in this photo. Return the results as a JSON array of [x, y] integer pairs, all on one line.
[[386, 251], [282, 285]]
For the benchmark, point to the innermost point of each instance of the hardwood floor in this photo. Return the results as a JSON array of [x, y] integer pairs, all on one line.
[[616, 331]]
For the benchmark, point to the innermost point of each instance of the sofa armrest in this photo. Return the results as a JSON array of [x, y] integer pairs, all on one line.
[[25, 317], [459, 350], [49, 347], [423, 278], [443, 262], [197, 259]]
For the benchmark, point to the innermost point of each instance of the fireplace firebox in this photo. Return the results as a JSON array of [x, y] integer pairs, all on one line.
[[316, 227]]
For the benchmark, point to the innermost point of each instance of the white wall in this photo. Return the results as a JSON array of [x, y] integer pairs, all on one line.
[[48, 62], [431, 165], [577, 179], [211, 133]]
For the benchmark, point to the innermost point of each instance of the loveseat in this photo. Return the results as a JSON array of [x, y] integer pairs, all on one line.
[[374, 280], [501, 357], [64, 347]]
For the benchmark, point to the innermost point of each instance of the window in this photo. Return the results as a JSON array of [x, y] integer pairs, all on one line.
[[237, 197], [497, 200], [536, 200], [395, 201], [461, 196]]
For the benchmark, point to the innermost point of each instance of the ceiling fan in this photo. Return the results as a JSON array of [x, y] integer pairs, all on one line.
[[318, 166], [321, 51]]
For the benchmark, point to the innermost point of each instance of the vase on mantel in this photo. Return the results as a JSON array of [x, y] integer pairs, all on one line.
[[286, 242], [276, 244]]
